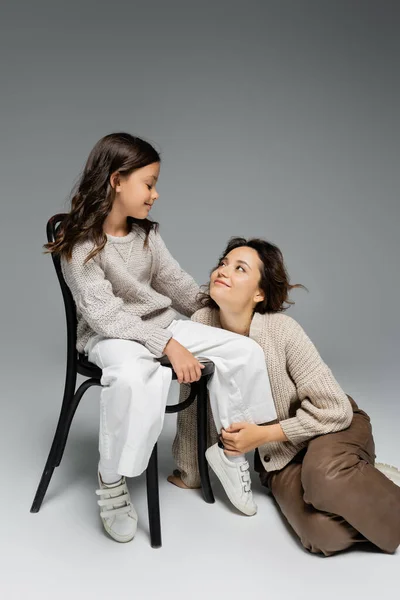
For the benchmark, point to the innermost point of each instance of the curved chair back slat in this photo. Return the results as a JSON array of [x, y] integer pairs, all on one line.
[[77, 362]]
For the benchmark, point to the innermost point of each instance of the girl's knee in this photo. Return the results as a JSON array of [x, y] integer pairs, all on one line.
[[247, 346], [123, 375]]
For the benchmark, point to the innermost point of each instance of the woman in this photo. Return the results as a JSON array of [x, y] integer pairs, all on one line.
[[317, 460]]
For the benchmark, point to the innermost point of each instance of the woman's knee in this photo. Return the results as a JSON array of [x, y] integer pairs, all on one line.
[[324, 478], [327, 534]]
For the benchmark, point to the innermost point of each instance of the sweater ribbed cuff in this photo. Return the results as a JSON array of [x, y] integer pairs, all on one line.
[[157, 341], [294, 431]]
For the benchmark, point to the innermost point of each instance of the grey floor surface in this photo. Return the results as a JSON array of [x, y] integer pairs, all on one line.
[[208, 550]]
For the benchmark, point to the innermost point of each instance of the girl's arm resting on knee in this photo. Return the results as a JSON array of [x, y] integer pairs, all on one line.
[[104, 312], [171, 280], [324, 407], [185, 365]]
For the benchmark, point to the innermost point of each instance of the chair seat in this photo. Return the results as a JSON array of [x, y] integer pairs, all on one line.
[[89, 369]]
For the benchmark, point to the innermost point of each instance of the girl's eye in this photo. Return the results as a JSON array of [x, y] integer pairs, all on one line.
[[240, 267], [149, 186]]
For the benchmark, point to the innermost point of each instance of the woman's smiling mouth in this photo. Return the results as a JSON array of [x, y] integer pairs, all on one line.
[[221, 282]]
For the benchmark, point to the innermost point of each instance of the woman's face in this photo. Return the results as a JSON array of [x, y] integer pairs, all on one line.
[[234, 285]]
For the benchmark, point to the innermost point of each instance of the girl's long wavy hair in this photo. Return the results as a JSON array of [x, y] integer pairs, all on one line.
[[93, 195], [274, 279]]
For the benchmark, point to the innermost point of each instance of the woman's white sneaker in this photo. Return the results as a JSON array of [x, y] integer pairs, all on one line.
[[235, 479], [117, 512], [391, 472]]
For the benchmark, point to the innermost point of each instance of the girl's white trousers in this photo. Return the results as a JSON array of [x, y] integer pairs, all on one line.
[[136, 385]]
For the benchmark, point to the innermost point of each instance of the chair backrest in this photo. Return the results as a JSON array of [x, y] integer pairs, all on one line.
[[69, 304]]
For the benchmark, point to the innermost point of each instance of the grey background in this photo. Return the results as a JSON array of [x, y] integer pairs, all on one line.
[[277, 119]]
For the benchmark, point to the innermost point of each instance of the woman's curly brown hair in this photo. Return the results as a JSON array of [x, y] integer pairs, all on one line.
[[274, 279], [93, 196]]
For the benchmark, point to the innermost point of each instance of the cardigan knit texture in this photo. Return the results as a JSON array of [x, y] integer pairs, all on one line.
[[308, 399]]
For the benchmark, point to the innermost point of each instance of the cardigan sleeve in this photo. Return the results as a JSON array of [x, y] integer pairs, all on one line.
[[172, 281], [324, 406]]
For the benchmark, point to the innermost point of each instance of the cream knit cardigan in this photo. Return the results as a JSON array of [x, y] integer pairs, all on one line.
[[308, 400]]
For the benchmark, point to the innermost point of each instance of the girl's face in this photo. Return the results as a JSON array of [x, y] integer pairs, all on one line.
[[234, 285], [136, 193]]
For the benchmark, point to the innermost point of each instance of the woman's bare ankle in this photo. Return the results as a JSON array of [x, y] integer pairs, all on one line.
[[176, 479]]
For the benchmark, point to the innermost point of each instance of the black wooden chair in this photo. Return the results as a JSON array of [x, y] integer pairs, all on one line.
[[78, 363]]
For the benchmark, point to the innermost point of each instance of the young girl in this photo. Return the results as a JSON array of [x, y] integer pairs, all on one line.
[[127, 287]]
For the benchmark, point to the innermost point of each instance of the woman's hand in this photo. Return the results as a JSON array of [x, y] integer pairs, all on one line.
[[240, 438], [185, 365]]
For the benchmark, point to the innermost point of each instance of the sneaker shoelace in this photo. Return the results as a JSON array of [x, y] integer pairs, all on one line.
[[245, 477], [117, 502]]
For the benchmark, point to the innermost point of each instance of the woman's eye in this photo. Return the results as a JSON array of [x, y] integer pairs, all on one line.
[[240, 267]]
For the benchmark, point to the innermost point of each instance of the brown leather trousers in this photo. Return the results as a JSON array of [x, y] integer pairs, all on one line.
[[332, 495]]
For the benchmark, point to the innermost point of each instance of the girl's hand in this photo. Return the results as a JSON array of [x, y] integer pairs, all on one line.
[[240, 438], [185, 365]]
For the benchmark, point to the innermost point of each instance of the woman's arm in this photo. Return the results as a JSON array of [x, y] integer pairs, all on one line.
[[241, 438], [324, 407]]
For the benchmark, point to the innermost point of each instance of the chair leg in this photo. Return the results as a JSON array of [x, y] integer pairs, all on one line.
[[45, 479], [59, 441], [202, 426], [70, 412], [69, 392], [153, 500]]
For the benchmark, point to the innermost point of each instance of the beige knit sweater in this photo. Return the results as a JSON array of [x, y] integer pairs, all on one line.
[[129, 291], [308, 400]]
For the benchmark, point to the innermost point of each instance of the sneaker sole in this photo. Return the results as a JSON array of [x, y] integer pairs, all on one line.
[[226, 484]]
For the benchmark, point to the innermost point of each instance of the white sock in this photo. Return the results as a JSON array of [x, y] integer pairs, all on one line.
[[108, 476], [236, 459]]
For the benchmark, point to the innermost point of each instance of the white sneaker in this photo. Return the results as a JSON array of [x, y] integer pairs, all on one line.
[[117, 512], [391, 472], [235, 479]]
